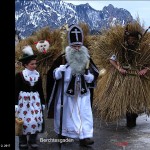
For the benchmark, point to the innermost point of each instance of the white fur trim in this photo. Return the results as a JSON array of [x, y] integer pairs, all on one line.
[[34, 75]]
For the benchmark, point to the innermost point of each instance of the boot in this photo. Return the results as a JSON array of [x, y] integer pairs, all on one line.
[[86, 142], [32, 141], [131, 119], [61, 136], [23, 142]]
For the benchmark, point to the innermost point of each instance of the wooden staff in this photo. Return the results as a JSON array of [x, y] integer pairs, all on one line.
[[62, 87], [87, 67]]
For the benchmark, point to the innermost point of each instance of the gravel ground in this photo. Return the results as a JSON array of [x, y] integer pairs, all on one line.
[[106, 136]]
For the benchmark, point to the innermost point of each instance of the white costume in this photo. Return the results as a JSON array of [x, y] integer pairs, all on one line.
[[77, 120], [77, 113]]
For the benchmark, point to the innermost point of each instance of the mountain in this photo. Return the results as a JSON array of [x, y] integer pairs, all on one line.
[[33, 15]]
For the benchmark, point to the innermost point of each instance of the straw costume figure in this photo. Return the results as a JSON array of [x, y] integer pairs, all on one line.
[[125, 89]]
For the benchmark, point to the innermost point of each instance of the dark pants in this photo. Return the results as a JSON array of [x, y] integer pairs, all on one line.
[[23, 139], [32, 138], [131, 119]]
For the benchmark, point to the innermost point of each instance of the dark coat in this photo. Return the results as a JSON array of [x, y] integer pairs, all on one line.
[[50, 82], [22, 85]]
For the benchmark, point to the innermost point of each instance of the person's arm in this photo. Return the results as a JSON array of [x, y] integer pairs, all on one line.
[[144, 71], [115, 64], [58, 72], [118, 66], [89, 77]]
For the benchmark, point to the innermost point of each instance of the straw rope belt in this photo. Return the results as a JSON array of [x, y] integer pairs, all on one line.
[[135, 71]]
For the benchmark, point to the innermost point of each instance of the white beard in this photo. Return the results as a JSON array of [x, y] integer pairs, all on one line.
[[77, 59]]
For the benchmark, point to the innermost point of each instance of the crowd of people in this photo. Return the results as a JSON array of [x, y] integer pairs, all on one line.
[[73, 89]]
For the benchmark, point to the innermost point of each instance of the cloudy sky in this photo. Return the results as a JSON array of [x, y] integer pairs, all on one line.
[[135, 7]]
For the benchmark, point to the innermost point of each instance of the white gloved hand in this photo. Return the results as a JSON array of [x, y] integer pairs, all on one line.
[[43, 106], [89, 77], [62, 68], [58, 71]]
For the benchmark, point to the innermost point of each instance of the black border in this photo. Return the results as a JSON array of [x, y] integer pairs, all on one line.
[[7, 67]]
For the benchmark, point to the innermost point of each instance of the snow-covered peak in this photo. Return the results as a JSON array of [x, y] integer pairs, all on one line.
[[31, 15]]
